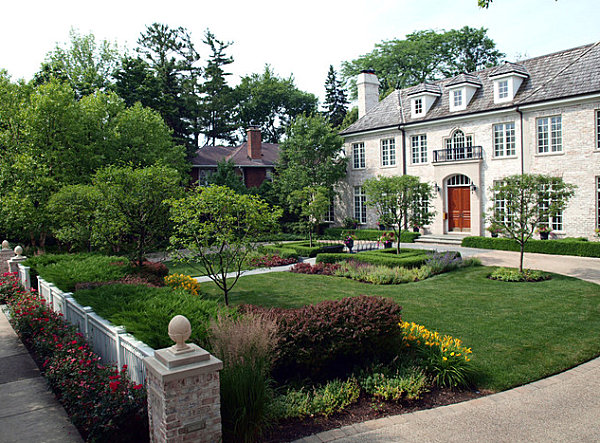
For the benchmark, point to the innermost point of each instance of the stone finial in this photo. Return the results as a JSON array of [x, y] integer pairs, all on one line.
[[19, 252], [5, 245], [180, 330]]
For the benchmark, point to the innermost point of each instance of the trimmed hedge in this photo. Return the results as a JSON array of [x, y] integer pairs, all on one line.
[[559, 247], [368, 234], [303, 248], [407, 261], [282, 251], [328, 338]]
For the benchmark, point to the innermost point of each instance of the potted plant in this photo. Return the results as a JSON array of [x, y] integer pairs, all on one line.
[[416, 227], [387, 239], [348, 241], [350, 223], [381, 226], [544, 231], [494, 229]]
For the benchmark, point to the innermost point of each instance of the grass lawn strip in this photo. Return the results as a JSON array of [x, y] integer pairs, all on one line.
[[519, 332]]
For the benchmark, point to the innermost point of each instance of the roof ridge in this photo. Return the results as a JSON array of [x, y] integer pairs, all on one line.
[[558, 52], [563, 69]]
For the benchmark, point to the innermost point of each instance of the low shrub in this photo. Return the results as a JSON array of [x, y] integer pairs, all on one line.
[[182, 281], [271, 261], [245, 345], [101, 401], [367, 234], [327, 338], [305, 250], [334, 397], [560, 247], [441, 262], [514, 275], [318, 268], [394, 385], [145, 312], [9, 286], [153, 272], [390, 260], [444, 357], [281, 251], [381, 275]]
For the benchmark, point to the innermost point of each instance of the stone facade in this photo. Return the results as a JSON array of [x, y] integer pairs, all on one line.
[[577, 161]]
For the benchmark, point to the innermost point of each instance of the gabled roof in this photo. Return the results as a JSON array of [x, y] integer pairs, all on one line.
[[510, 68], [211, 155], [426, 88], [559, 75]]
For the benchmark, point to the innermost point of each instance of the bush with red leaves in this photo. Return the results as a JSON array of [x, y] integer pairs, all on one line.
[[152, 272], [319, 268], [271, 261], [328, 338]]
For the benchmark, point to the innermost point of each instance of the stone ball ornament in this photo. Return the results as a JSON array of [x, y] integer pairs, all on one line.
[[180, 330], [19, 251], [5, 245]]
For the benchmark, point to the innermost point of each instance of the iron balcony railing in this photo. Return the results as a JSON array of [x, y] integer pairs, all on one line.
[[457, 154]]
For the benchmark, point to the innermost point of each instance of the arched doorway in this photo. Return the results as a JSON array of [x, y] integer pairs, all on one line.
[[459, 203]]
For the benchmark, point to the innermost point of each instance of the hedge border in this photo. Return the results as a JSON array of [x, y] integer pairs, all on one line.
[[556, 247], [410, 261], [304, 250], [368, 234]]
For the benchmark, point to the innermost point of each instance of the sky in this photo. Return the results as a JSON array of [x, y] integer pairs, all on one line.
[[299, 38]]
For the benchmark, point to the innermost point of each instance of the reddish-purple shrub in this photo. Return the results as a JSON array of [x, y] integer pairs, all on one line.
[[319, 268], [270, 261], [318, 340], [152, 272]]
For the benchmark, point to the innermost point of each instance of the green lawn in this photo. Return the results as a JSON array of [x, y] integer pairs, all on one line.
[[519, 332]]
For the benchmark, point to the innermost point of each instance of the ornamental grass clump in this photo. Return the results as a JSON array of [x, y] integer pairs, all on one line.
[[381, 275], [514, 275], [245, 345], [182, 281], [444, 357]]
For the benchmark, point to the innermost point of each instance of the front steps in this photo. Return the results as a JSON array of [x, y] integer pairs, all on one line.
[[448, 239]]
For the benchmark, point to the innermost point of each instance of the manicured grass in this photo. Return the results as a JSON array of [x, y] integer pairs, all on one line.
[[519, 332]]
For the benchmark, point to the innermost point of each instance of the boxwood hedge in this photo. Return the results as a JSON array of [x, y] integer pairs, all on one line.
[[368, 234], [560, 247], [303, 248], [408, 260]]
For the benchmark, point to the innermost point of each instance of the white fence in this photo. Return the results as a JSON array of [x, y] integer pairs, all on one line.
[[110, 342]]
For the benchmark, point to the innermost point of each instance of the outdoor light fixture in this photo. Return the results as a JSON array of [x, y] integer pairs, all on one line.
[[473, 187], [436, 188]]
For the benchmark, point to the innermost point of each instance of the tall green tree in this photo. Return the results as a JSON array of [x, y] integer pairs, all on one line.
[[311, 203], [336, 100], [398, 200], [524, 202], [311, 155], [219, 228], [216, 118], [270, 103], [131, 215], [225, 175], [86, 65], [424, 56]]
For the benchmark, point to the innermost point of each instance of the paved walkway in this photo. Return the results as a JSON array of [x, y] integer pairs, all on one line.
[[28, 410], [561, 408]]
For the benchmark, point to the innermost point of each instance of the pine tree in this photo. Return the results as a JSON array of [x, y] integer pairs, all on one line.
[[336, 100], [216, 118]]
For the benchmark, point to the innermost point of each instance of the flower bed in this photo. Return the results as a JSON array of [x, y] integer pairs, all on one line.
[[100, 400]]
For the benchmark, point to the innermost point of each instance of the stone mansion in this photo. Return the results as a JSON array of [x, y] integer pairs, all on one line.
[[461, 134]]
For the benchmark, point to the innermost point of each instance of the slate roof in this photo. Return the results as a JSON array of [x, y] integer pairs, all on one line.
[[426, 88], [563, 74], [508, 68], [464, 78], [211, 155]]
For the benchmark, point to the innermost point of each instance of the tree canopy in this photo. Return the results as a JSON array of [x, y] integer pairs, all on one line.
[[336, 100], [424, 55]]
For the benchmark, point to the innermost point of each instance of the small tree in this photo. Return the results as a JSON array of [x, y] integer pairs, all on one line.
[[225, 175], [523, 202], [131, 214], [311, 203], [219, 228], [398, 200]]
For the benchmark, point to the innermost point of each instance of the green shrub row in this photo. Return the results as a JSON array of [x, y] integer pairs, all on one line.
[[368, 234], [560, 247], [410, 261], [304, 249], [281, 251]]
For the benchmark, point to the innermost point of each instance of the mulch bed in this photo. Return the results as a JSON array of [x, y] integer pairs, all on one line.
[[364, 410]]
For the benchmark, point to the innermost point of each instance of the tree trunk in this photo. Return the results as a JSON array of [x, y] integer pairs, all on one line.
[[521, 259]]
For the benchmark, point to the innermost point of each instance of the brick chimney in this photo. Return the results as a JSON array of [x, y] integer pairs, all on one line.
[[368, 91], [254, 143]]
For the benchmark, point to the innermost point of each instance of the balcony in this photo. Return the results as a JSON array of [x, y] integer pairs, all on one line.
[[458, 154]]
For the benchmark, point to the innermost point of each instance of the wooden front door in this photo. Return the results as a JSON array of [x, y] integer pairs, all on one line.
[[459, 208]]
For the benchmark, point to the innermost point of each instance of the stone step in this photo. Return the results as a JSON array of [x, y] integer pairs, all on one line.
[[441, 239]]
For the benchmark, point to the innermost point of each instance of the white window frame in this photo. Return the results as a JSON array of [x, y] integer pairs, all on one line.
[[598, 129], [556, 222], [457, 98], [358, 155], [330, 214], [502, 89], [360, 205], [418, 149], [418, 106], [598, 202], [388, 152], [501, 204], [549, 134], [504, 139]]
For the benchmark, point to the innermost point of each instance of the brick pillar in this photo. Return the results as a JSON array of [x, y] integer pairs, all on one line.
[[13, 263], [184, 403], [5, 254]]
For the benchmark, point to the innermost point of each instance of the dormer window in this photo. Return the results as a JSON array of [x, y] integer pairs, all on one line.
[[418, 106], [461, 90], [422, 98], [507, 81]]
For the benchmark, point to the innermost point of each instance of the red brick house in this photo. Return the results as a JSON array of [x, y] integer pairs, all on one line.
[[253, 159]]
